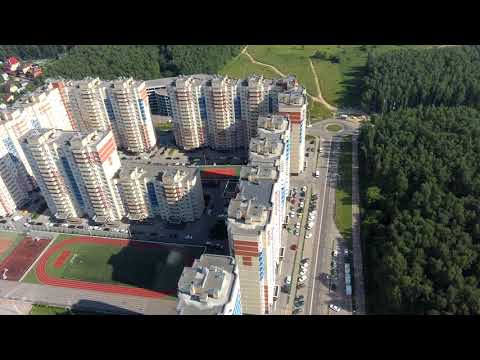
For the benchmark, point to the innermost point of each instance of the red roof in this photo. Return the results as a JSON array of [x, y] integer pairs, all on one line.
[[12, 60]]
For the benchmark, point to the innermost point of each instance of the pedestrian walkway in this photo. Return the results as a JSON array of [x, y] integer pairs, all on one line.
[[359, 289], [86, 300]]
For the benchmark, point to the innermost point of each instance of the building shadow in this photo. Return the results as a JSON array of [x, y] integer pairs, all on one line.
[[152, 266], [90, 307]]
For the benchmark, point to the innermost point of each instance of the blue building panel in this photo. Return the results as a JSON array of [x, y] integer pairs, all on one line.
[[152, 196], [261, 265]]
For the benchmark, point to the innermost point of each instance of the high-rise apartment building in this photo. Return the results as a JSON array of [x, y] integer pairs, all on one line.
[[43, 108], [210, 287], [47, 154], [224, 124], [120, 106], [189, 113], [127, 101], [255, 101], [76, 172], [7, 203], [173, 193], [293, 103], [271, 147], [254, 232], [85, 100], [96, 166]]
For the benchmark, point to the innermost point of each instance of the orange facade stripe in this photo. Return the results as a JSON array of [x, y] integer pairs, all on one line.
[[246, 253]]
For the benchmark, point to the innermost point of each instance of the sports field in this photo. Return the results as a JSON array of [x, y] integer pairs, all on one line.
[[114, 265], [8, 241], [14, 266]]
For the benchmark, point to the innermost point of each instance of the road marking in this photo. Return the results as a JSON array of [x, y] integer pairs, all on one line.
[[320, 230]]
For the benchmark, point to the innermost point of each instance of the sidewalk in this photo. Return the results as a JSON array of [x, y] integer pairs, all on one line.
[[359, 289]]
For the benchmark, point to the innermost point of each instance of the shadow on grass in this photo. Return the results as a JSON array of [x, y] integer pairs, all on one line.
[[152, 267], [350, 96]]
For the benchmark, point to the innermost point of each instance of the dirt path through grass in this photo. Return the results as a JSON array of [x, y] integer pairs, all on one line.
[[317, 98]]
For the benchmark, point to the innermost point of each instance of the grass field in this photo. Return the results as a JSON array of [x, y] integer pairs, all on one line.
[[343, 194], [334, 127], [48, 310], [14, 237], [317, 111], [151, 268], [241, 67], [53, 310], [338, 82]]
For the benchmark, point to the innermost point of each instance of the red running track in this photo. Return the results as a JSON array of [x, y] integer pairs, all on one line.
[[44, 278]]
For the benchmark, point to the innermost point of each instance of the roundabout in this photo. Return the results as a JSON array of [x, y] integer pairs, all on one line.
[[334, 128]]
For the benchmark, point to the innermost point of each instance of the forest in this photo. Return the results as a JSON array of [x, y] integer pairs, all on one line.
[[420, 180], [141, 61], [30, 52], [408, 78]]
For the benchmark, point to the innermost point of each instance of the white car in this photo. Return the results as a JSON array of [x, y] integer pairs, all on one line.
[[304, 265], [297, 225], [304, 188], [345, 252], [334, 308], [308, 236]]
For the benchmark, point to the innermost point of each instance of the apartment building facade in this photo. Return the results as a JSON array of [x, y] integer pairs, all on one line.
[[254, 232], [293, 104], [271, 147], [120, 106], [189, 114], [210, 286], [173, 193], [46, 152], [96, 164], [76, 172], [224, 124], [129, 111]]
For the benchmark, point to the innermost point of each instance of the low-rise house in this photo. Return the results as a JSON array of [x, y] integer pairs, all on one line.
[[11, 65]]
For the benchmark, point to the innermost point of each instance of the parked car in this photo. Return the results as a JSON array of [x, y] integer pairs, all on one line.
[[308, 236], [334, 308]]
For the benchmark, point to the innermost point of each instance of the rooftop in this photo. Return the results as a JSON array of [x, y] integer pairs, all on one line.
[[206, 287]]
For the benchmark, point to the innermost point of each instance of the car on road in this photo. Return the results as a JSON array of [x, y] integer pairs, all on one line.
[[304, 188], [334, 253], [345, 252], [297, 225], [317, 174], [334, 308], [296, 232], [288, 280], [308, 236]]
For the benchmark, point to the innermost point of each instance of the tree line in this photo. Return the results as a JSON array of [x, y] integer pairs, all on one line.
[[409, 78], [421, 218], [141, 61], [30, 52]]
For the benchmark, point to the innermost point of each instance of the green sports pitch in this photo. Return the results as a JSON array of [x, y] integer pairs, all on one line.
[[155, 268]]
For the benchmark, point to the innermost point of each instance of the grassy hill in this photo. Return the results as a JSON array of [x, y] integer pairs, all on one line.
[[339, 82]]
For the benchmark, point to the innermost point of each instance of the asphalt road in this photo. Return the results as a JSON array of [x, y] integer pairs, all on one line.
[[318, 292]]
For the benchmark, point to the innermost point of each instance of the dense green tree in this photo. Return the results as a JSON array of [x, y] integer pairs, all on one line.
[[410, 77], [141, 61], [421, 210]]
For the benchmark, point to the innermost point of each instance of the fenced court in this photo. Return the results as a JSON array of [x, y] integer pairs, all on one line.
[[21, 258]]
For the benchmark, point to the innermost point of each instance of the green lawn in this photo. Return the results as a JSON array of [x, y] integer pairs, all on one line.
[[151, 268], [164, 126], [48, 310], [334, 127], [53, 310], [338, 82], [343, 194], [241, 67], [317, 111], [15, 238]]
